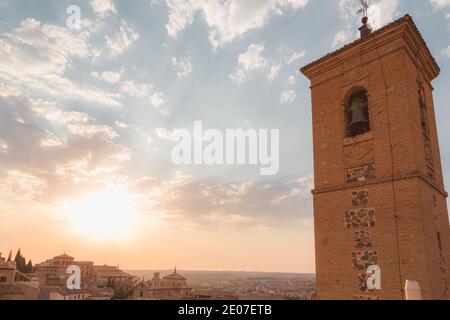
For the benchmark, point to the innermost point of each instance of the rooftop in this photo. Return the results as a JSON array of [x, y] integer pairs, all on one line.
[[174, 276], [405, 19], [64, 256]]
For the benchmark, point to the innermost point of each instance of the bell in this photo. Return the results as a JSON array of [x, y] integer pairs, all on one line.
[[359, 123]]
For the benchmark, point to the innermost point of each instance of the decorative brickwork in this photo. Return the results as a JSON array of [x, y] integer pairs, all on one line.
[[362, 218], [364, 259], [362, 279], [360, 174], [363, 239], [360, 198]]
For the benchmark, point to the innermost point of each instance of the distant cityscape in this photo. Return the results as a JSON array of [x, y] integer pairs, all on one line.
[[48, 280]]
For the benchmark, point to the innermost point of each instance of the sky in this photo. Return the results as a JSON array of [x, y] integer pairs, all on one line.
[[87, 113]]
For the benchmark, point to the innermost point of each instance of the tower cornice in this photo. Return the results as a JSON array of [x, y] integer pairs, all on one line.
[[404, 28]]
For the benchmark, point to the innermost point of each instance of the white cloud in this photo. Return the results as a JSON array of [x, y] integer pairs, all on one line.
[[274, 72], [183, 66], [107, 76], [251, 60], [52, 113], [51, 140], [103, 7], [134, 89], [288, 97], [8, 91], [342, 37], [36, 56], [164, 133], [157, 99], [446, 52], [3, 147], [138, 90], [76, 123], [227, 20], [440, 3], [293, 56], [122, 40], [381, 12], [291, 80]]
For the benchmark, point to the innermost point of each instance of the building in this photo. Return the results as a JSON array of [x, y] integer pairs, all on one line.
[[379, 197], [113, 277], [56, 268], [62, 293], [171, 287], [15, 285]]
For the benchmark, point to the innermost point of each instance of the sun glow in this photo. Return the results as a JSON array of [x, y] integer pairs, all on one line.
[[106, 215]]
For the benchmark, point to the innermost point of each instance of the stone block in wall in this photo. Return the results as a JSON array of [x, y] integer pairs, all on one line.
[[362, 280], [364, 259], [360, 174], [360, 198], [362, 218], [363, 239]]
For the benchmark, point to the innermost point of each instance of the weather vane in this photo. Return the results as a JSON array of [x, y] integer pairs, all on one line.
[[364, 10]]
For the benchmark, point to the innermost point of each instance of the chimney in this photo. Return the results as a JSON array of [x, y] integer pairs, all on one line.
[[365, 29]]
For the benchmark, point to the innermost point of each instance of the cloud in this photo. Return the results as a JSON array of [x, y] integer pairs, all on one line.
[[341, 38], [3, 147], [70, 152], [291, 80], [107, 76], [294, 56], [36, 56], [288, 97], [103, 7], [251, 60], [122, 40], [157, 99], [19, 182], [438, 4], [247, 203], [446, 52], [227, 20], [164, 133], [145, 91], [381, 12], [183, 66], [274, 72]]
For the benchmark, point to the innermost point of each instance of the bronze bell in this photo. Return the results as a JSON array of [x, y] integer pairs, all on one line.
[[359, 123]]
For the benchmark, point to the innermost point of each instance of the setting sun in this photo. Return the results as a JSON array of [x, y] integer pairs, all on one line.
[[104, 215]]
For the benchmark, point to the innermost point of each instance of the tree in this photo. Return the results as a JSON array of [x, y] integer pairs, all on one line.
[[120, 294], [21, 263], [29, 267]]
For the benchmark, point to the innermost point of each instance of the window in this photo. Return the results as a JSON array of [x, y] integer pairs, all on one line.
[[439, 240], [423, 114], [357, 113]]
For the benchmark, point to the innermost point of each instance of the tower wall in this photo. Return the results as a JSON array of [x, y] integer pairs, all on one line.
[[379, 197]]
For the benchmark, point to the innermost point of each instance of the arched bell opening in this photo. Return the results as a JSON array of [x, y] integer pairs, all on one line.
[[357, 113]]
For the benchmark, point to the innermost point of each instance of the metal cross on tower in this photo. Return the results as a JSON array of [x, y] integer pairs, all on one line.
[[364, 8]]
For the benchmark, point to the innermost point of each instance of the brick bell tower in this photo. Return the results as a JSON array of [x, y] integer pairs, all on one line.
[[379, 197]]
